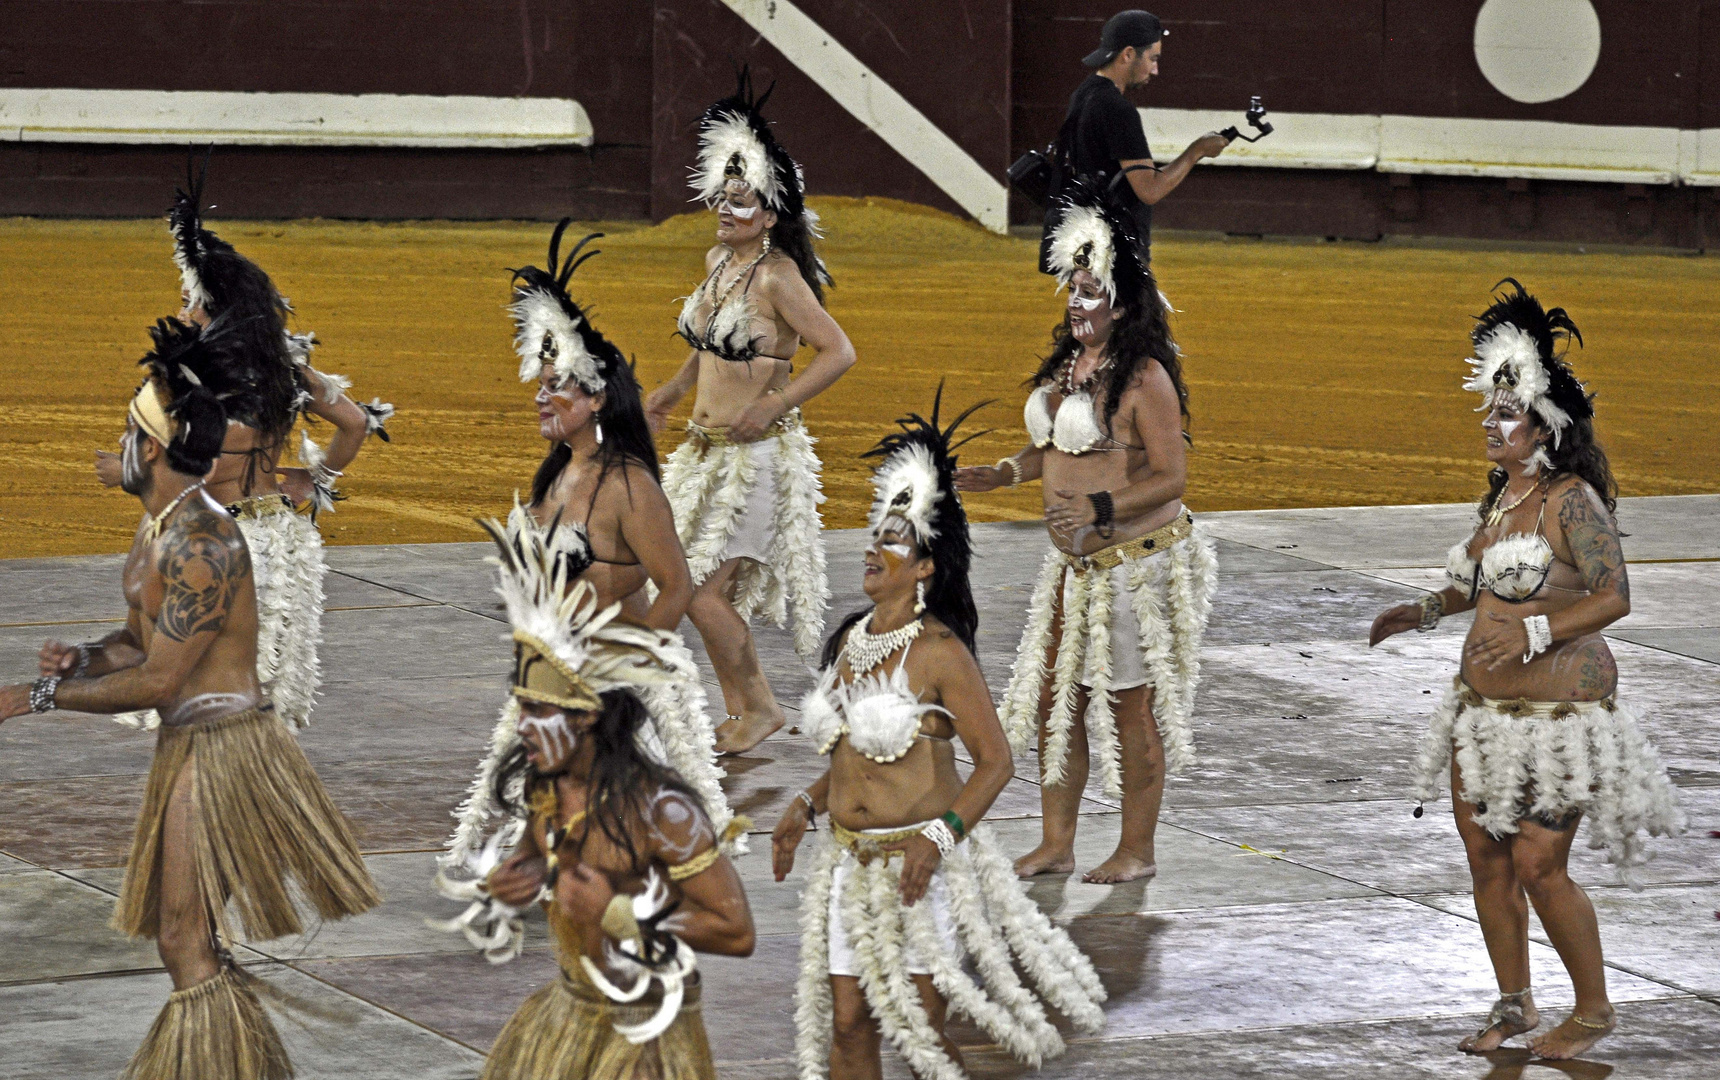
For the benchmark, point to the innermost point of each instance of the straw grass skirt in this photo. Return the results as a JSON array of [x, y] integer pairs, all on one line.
[[260, 817], [216, 1030], [566, 1031]]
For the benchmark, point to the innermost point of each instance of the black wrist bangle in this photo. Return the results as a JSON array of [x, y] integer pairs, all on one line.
[[1104, 512]]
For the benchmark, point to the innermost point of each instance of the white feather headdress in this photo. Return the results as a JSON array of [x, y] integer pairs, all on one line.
[[906, 486], [549, 328], [1082, 240], [1514, 360], [728, 144]]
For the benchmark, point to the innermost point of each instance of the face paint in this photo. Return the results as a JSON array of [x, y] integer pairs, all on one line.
[[743, 214], [1076, 300], [555, 735], [132, 473]]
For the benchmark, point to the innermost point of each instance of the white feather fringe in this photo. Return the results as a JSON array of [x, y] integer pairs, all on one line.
[[707, 488], [999, 928], [287, 570], [909, 475], [1593, 758], [1171, 596]]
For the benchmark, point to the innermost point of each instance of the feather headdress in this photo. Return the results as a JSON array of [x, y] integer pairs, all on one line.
[[1096, 234], [917, 484], [567, 650], [1515, 359], [550, 329], [180, 403], [192, 243], [735, 143]]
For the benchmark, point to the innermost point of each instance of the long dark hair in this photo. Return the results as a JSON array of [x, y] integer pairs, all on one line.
[[257, 314], [791, 236], [1578, 454], [626, 435], [621, 777], [1141, 333]]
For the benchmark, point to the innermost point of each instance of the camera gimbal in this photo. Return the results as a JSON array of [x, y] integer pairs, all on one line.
[[1256, 120]]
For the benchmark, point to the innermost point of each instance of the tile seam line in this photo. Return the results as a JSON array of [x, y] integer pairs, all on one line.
[[429, 601], [1710, 996]]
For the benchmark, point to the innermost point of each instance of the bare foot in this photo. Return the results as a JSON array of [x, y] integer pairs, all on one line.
[[1046, 859], [1120, 867], [1512, 1015], [738, 734], [1574, 1036]]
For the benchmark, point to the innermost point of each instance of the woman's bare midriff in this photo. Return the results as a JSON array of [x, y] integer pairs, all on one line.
[[226, 482], [916, 787], [1100, 470], [727, 387], [1581, 669]]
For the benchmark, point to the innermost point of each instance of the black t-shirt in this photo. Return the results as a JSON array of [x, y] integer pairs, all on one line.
[[1107, 129]]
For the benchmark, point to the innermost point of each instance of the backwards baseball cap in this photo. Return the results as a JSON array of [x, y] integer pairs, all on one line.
[[1138, 28]]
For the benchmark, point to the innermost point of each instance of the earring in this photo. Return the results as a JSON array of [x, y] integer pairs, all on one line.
[[766, 249], [598, 426], [920, 596]]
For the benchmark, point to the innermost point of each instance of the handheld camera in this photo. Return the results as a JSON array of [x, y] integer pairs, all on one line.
[[1256, 117]]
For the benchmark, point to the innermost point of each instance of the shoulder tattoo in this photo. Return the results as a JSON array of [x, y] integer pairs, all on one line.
[[202, 564], [1593, 540]]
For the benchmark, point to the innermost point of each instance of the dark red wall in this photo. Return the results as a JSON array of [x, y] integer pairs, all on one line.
[[995, 76]]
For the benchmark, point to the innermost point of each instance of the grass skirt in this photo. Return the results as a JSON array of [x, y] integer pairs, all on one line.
[[999, 928], [287, 569], [1171, 596], [216, 1030], [566, 1031], [1520, 759], [260, 816], [707, 482]]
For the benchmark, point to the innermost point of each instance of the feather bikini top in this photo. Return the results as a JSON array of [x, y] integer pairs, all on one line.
[[728, 332], [879, 713], [1514, 568], [1073, 430]]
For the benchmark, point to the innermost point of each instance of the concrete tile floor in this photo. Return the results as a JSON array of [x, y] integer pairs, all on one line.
[[1303, 923]]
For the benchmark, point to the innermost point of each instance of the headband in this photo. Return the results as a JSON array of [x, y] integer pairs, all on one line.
[[151, 417]]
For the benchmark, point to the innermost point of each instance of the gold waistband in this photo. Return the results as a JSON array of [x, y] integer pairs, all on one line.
[[719, 436], [867, 846], [1160, 539], [1550, 710], [256, 506]]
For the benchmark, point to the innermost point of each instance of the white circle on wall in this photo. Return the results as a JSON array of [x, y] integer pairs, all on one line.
[[1537, 50]]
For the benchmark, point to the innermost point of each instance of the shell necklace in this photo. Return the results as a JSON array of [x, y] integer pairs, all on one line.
[[717, 274], [865, 650], [1497, 514], [155, 523]]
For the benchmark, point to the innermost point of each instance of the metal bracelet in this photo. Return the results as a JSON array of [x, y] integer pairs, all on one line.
[[42, 694], [83, 664], [939, 833], [811, 810], [1432, 608], [1540, 636]]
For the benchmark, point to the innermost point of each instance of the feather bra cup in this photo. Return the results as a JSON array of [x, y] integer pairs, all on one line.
[[880, 714], [1073, 430], [1513, 568], [727, 334]]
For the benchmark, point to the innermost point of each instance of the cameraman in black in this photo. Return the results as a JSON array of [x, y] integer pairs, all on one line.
[[1102, 134]]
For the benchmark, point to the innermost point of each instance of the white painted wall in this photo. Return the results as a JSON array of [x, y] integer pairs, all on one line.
[[289, 119]]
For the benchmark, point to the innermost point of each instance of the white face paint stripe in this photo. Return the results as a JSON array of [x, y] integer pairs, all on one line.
[[557, 735], [1084, 304], [740, 213]]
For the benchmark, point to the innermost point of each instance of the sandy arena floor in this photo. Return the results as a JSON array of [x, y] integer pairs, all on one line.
[[1321, 374]]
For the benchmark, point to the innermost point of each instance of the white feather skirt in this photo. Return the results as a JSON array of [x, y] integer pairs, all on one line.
[[680, 735], [1170, 595], [708, 485], [1001, 932], [1521, 759], [287, 569]]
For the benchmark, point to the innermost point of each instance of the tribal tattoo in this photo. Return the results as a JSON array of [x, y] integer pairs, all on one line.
[[203, 562], [1593, 540]]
